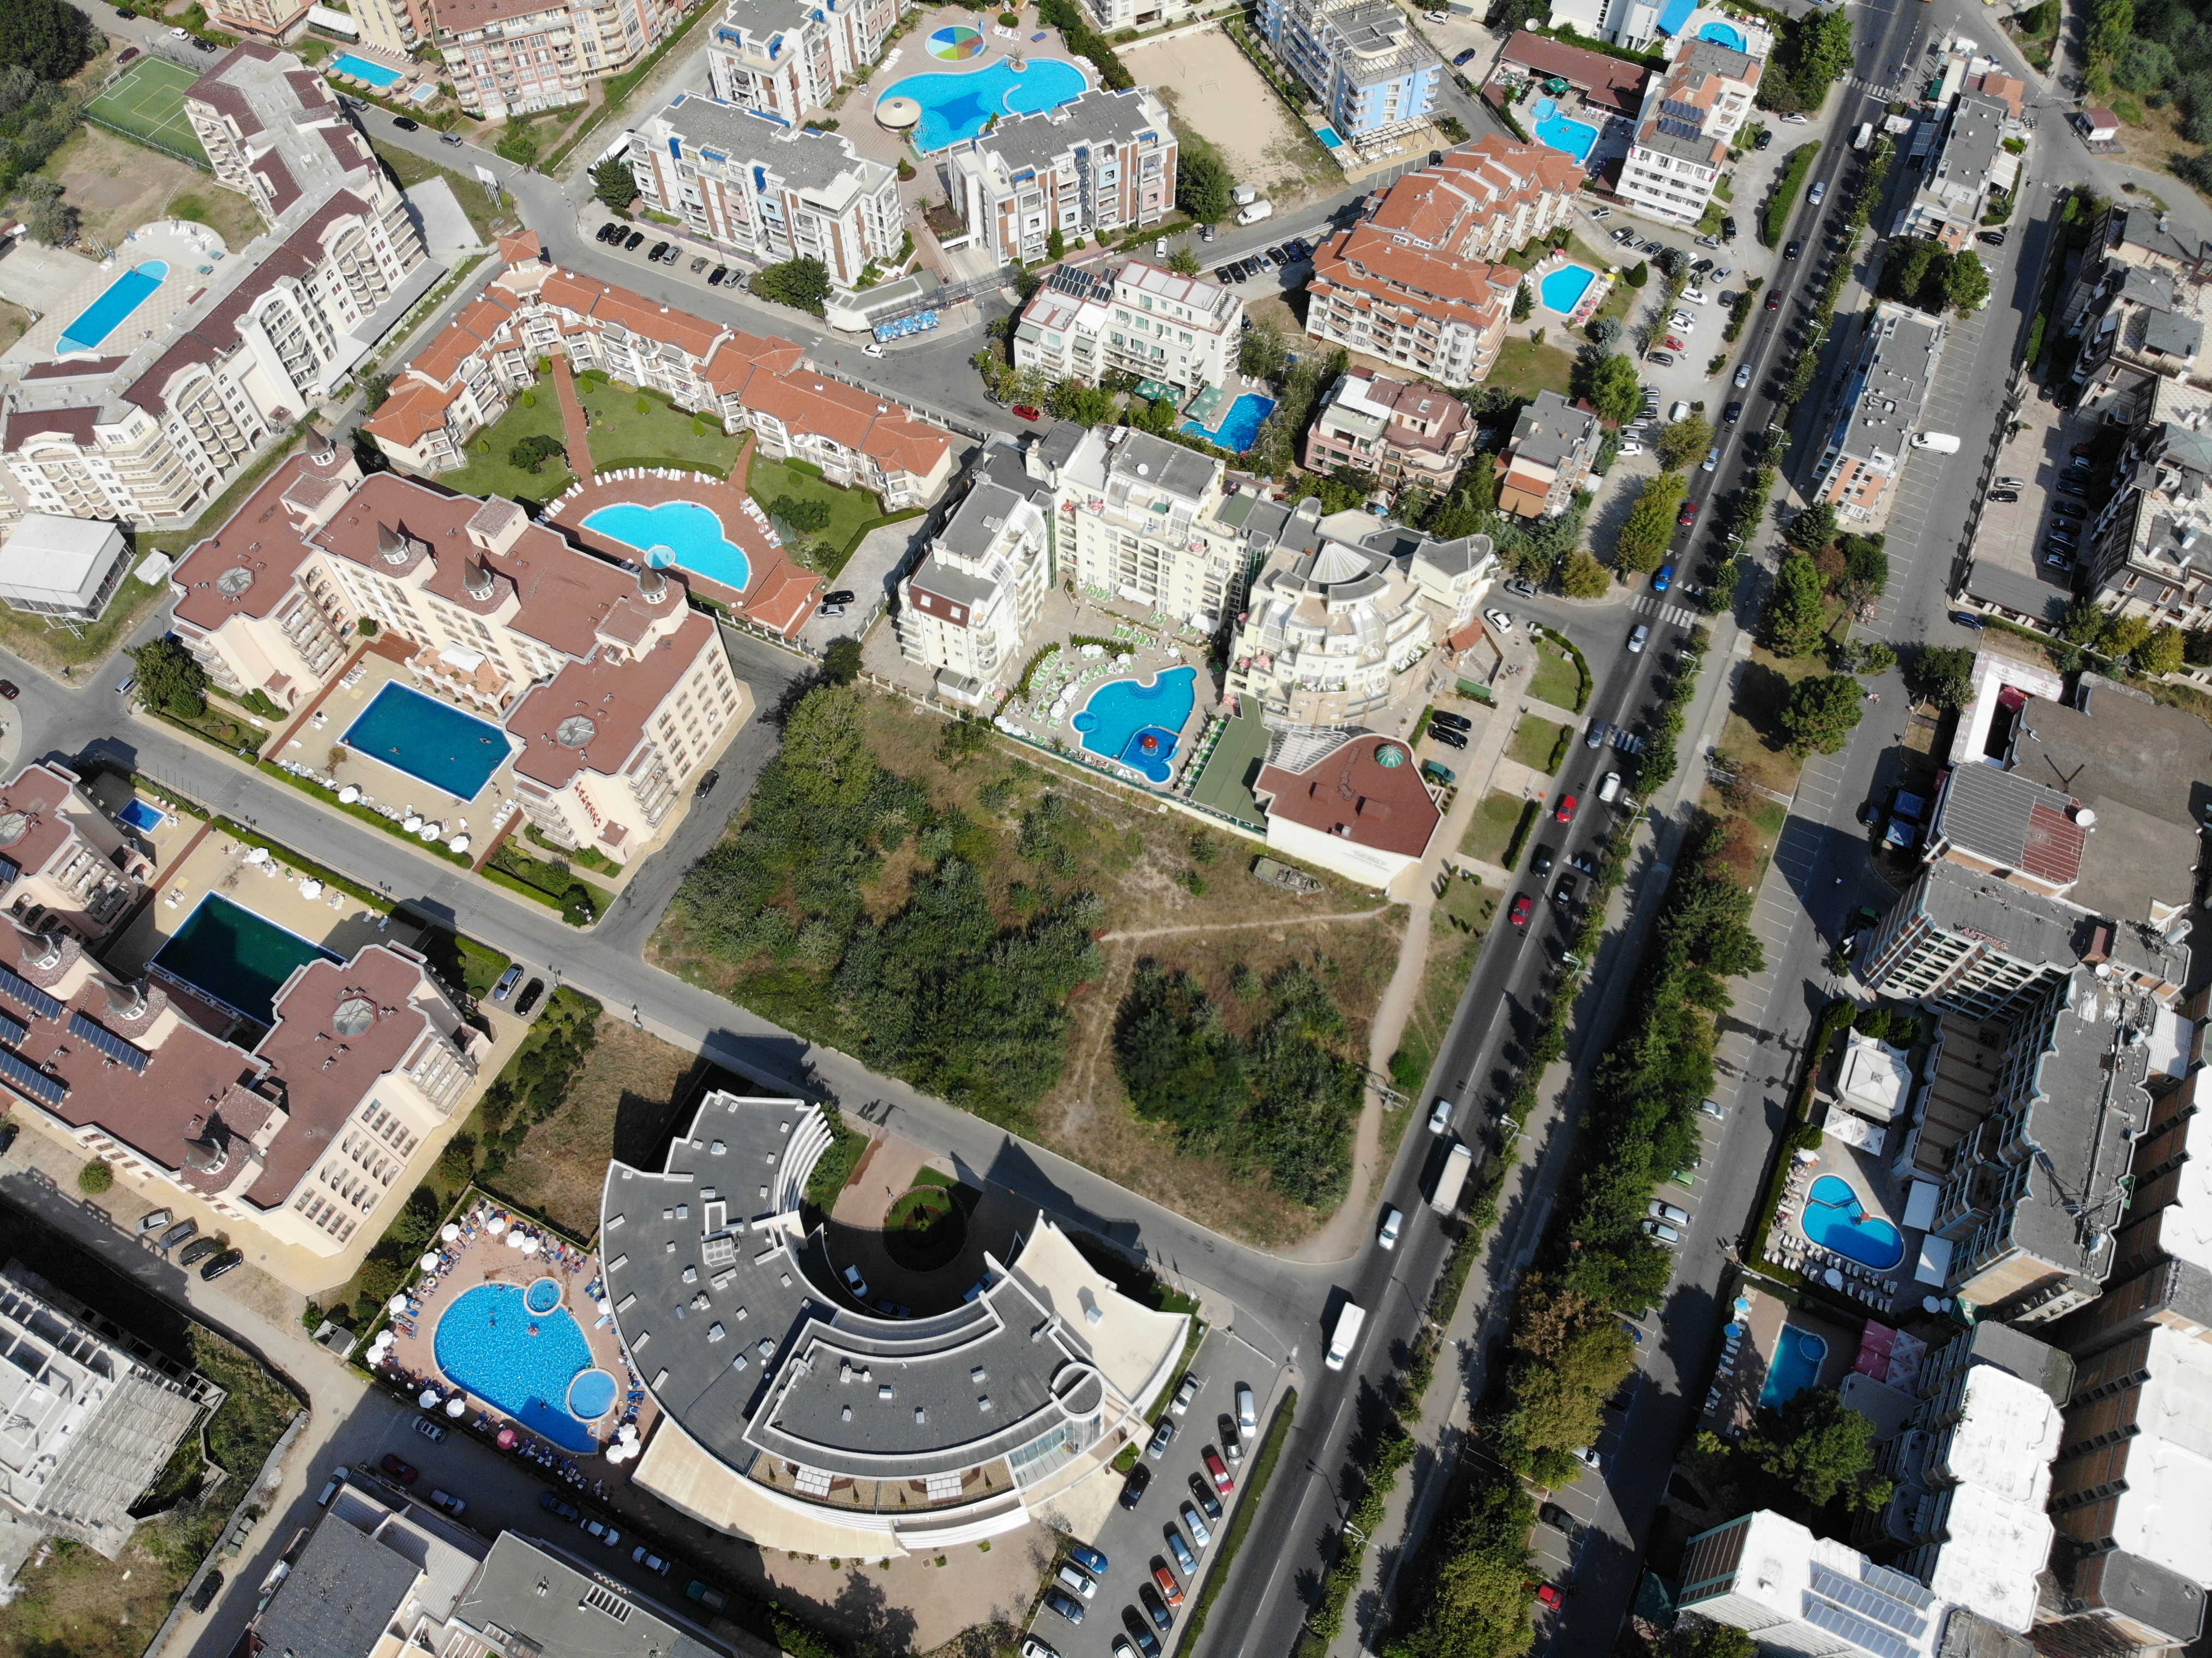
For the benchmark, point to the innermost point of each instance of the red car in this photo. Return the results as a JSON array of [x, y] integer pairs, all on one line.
[[1546, 1595], [1568, 803], [8, 689], [1521, 906], [1687, 516], [1674, 344], [1028, 413], [2080, 452], [403, 1472], [1219, 1470], [1171, 1591], [1774, 302]]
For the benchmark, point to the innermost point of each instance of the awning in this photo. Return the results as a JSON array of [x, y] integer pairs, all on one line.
[[1935, 1262], [1203, 405], [1156, 389], [1920, 1197]]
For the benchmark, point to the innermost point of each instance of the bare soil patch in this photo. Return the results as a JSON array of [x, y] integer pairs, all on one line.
[[117, 185], [1212, 89]]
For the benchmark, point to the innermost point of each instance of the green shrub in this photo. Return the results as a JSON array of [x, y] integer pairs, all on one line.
[[94, 1178]]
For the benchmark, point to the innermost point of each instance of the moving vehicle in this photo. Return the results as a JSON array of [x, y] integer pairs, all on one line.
[[1943, 443], [1394, 1222], [1819, 190], [1639, 639], [642, 1556], [1774, 302], [1734, 412], [1027, 411], [1521, 906], [1595, 738], [1687, 516], [1567, 892], [1569, 805], [228, 1260], [9, 690], [1712, 459], [1185, 1393], [1440, 1116], [1451, 1178], [1793, 250], [871, 349], [1344, 1339], [452, 138], [1863, 136], [405, 1472], [452, 1504], [1256, 212], [1663, 578], [1742, 376]]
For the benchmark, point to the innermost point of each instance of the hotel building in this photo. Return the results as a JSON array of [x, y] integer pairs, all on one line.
[[1140, 319], [63, 861], [1550, 456], [1102, 163], [784, 58], [507, 57], [964, 608], [1137, 521], [148, 433], [1374, 75], [767, 190], [1411, 437], [1691, 116]]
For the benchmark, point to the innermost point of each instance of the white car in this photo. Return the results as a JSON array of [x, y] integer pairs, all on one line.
[[1588, 1458], [1632, 447], [1196, 1521], [1712, 1109], [1679, 411], [1600, 213], [1499, 620], [1742, 376], [179, 34], [1394, 1222], [1682, 319], [871, 349], [1712, 459], [1795, 119], [1185, 1393], [1693, 295], [1160, 248], [1660, 1209], [858, 1284], [1440, 1116], [1659, 1232]]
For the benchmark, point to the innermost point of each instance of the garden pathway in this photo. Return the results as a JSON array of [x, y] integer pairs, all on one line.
[[572, 417], [1235, 926]]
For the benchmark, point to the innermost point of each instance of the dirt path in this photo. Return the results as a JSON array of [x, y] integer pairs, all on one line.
[[1235, 926]]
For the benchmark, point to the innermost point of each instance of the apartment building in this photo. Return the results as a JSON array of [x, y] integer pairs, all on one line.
[[1877, 408], [1373, 75], [786, 59], [1410, 436], [62, 861], [91, 1418], [1812, 1596], [768, 189], [2140, 285], [271, 22], [1549, 457], [1104, 162], [1690, 118], [507, 57], [1415, 283], [1140, 319], [1970, 162], [2147, 552], [1112, 15], [964, 608], [1335, 628], [145, 436], [1142, 521], [1350, 802], [397, 26], [467, 376]]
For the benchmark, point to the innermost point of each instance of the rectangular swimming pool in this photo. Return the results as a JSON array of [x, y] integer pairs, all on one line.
[[235, 958], [375, 74], [431, 741]]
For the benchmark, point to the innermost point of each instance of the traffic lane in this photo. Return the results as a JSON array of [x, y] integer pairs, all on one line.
[[460, 155]]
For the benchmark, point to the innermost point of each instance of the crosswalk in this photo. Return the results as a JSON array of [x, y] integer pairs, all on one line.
[[1881, 90], [1680, 615]]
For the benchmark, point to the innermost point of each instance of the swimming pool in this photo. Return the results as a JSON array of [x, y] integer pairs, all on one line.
[[1328, 138], [592, 1394], [1797, 1356], [1723, 35], [1577, 138], [543, 1295], [375, 74], [1239, 426], [140, 816], [115, 306], [524, 1364], [677, 532], [235, 958], [957, 43], [1564, 289], [431, 741], [957, 107], [1835, 1219], [1139, 724]]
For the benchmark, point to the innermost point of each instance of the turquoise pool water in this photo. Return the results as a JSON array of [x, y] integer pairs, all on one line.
[[592, 1395], [1797, 1356], [140, 816], [543, 1295], [1139, 724], [235, 958], [431, 741], [1239, 426], [1835, 1219], [958, 108], [680, 533], [375, 74], [521, 1362], [1577, 138], [1564, 289], [1723, 35], [115, 306], [1328, 138]]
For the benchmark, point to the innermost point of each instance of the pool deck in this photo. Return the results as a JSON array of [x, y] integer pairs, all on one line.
[[1733, 1402], [184, 247], [480, 1256]]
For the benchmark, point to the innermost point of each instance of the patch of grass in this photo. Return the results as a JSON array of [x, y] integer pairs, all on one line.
[[1490, 831], [490, 472], [661, 435], [1753, 741], [927, 1227], [1525, 369], [1559, 679], [226, 212], [1457, 926], [851, 511], [412, 170], [1262, 1470], [1540, 745]]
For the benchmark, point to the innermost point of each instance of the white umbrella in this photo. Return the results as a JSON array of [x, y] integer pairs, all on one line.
[[514, 1239], [457, 1405], [398, 1305], [410, 822], [428, 1263], [348, 795], [496, 1224], [449, 1231], [530, 1246], [310, 889], [459, 843], [429, 1399]]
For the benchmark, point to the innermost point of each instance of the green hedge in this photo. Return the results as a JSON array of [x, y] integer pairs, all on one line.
[[1256, 1486], [366, 814], [1776, 217], [1520, 832], [1581, 663]]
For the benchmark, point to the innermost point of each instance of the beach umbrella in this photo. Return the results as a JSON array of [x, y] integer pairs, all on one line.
[[449, 1231], [398, 1305], [496, 1224], [411, 823], [348, 795], [457, 1406], [459, 843], [431, 831], [429, 1398], [428, 1263], [514, 1239], [530, 1246]]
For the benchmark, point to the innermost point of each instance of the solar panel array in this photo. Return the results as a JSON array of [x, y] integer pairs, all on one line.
[[19, 989], [1673, 127], [1867, 1637], [1869, 1602], [26, 1078], [107, 1042], [1898, 1587], [13, 1031]]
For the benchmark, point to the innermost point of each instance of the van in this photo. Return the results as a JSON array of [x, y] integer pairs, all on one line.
[[1248, 1408], [1679, 411], [1450, 1179], [1609, 790], [1256, 212], [1344, 1339], [1943, 443]]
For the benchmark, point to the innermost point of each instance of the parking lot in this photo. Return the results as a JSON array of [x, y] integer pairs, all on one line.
[[1121, 1614], [2040, 465]]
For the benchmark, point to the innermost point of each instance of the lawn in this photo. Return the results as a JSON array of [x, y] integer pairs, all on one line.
[[850, 510], [1540, 745], [535, 412], [412, 170], [1490, 831], [1457, 926], [927, 1227], [643, 428], [1557, 679], [1524, 368], [1753, 740], [226, 212]]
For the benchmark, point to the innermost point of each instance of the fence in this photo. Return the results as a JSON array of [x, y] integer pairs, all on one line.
[[198, 163]]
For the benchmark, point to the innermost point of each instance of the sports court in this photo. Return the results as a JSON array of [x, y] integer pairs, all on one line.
[[147, 102]]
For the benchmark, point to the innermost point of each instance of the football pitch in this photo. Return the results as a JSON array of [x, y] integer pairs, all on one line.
[[147, 102]]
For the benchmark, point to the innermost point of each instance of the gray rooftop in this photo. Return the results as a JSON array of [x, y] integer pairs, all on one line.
[[2007, 819], [975, 525], [2017, 1353], [2025, 925], [1147, 460], [2010, 590], [1971, 146], [2172, 334], [1057, 445], [800, 159], [1886, 383], [2134, 1587], [564, 1609], [2145, 229], [1371, 27], [1552, 430], [1097, 117], [342, 1596]]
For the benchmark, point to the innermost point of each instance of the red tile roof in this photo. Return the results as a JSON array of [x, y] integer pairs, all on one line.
[[259, 537], [617, 698], [1600, 79], [1349, 794]]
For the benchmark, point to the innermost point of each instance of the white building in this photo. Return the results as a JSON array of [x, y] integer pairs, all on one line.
[[770, 190], [964, 608], [509, 57], [1690, 118], [1795, 1593], [784, 57], [66, 566], [1140, 319], [1104, 162], [1137, 522]]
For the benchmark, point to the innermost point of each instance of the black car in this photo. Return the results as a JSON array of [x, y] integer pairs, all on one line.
[[1735, 412], [1147, 1643], [719, 276], [1448, 736], [1540, 861], [1563, 1522], [1224, 275], [125, 12], [222, 1263], [405, 125], [1994, 238], [1765, 138], [559, 1508], [196, 1251], [8, 1137], [1133, 1488], [1201, 1492], [609, 231], [2067, 486], [1155, 1608], [1793, 250], [531, 993], [1450, 721], [204, 1596], [1728, 230], [659, 248], [843, 596], [2004, 494], [632, 242], [1567, 892], [707, 784]]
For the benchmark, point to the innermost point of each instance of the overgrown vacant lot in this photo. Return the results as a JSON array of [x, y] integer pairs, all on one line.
[[971, 917]]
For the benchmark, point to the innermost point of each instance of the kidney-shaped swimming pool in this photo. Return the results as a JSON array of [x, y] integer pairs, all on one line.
[[521, 1362]]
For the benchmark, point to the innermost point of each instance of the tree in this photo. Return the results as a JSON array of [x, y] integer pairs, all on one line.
[[1819, 1448], [1344, 488], [169, 677], [1637, 274], [1866, 570], [615, 184], [530, 452], [1672, 263], [1812, 529], [1683, 445], [1792, 622], [801, 514], [1649, 529], [1183, 262], [1609, 384], [47, 217], [1695, 1638], [1966, 284], [1942, 674], [458, 1162], [2161, 654], [1584, 577], [1261, 352], [803, 284], [1524, 299], [1203, 185], [1821, 714], [826, 748], [841, 663], [94, 1178], [51, 38]]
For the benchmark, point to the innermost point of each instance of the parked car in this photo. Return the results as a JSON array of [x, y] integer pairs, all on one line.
[[1448, 736], [1660, 1209], [1664, 359], [1164, 1579], [1563, 1522], [400, 121], [699, 264], [1232, 1443], [2004, 494], [1196, 1521], [1186, 1393], [452, 1504], [1147, 1643], [1460, 60], [1712, 1109], [715, 278], [153, 1222], [9, 690], [1089, 1559], [176, 1235], [642, 1556], [197, 1250], [1027, 412], [1394, 1222], [452, 138], [1967, 619], [431, 1428], [1214, 1466], [405, 1472], [1659, 1232], [1450, 721], [204, 1596], [609, 231], [228, 1261], [1076, 1580], [531, 993], [1133, 1488], [1163, 1437], [1994, 238], [1203, 1495], [1180, 1549], [559, 1508], [508, 981], [715, 1601], [606, 1533], [1155, 1608], [1059, 1600], [634, 240]]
